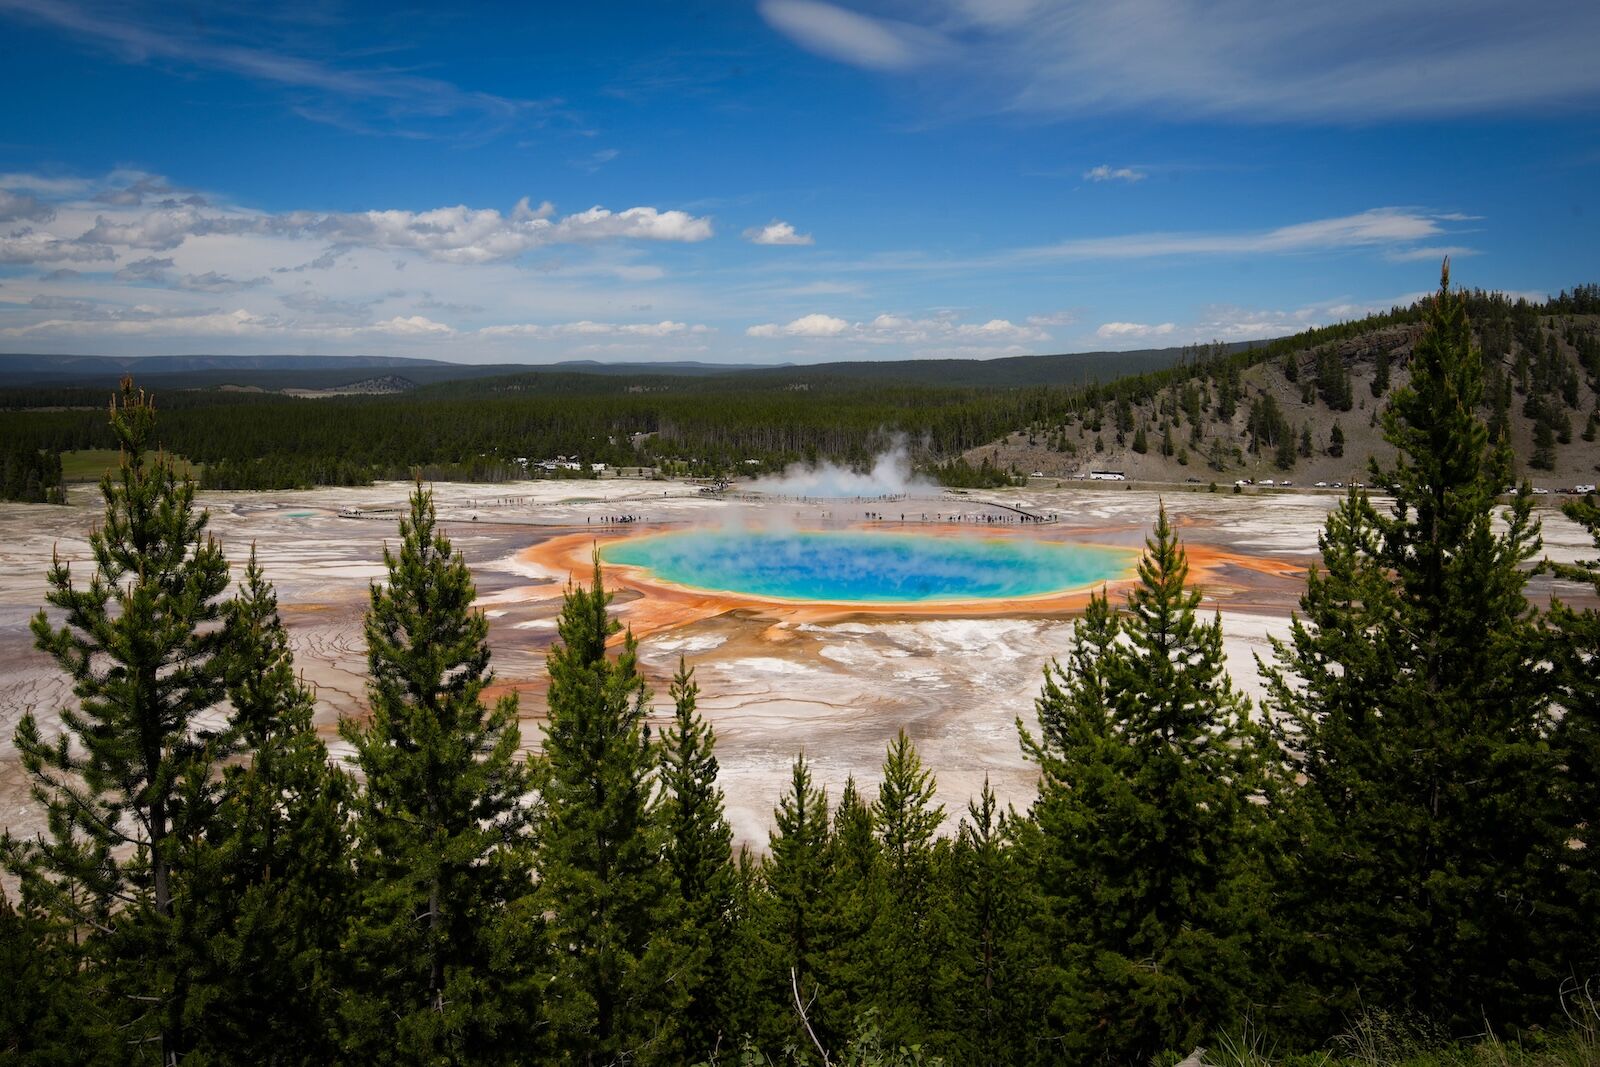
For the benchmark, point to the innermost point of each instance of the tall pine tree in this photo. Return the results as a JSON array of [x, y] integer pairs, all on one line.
[[270, 881], [143, 644], [1412, 700], [909, 932], [622, 959], [439, 939], [1144, 829], [1576, 653], [700, 851], [795, 921]]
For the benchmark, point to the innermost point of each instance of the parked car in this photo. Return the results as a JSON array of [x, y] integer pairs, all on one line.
[[1321, 485]]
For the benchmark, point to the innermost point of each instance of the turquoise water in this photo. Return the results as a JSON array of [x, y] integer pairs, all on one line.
[[869, 567]]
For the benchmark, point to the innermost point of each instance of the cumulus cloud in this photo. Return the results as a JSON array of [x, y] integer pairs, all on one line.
[[1054, 318], [20, 207], [1229, 322], [311, 302], [410, 326], [212, 282], [1123, 330], [776, 232], [148, 269], [586, 328], [900, 329], [158, 231], [456, 234], [26, 246], [813, 325], [87, 320], [1105, 173]]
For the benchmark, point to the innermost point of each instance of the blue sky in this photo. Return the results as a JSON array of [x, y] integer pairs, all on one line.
[[783, 180]]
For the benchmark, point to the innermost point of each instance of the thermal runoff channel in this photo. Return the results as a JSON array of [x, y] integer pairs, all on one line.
[[869, 567]]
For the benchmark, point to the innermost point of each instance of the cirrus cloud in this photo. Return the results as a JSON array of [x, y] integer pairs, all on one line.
[[1252, 59]]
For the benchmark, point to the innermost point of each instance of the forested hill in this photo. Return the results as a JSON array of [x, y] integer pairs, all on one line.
[[1309, 408], [1306, 405]]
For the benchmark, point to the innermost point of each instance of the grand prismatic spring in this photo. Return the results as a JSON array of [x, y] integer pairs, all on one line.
[[869, 567]]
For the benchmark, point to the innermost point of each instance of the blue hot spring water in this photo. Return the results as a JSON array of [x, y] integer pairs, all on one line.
[[869, 567]]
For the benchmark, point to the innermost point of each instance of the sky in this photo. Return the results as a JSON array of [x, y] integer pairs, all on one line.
[[766, 181]]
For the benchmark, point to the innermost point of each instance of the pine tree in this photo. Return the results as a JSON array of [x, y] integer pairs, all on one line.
[[620, 955], [1336, 441], [905, 818], [795, 920], [1141, 444], [700, 850], [993, 949], [1380, 373], [1544, 446], [1285, 455], [44, 1014], [438, 939], [1576, 652], [854, 909], [1143, 828], [1411, 698], [145, 653], [271, 879]]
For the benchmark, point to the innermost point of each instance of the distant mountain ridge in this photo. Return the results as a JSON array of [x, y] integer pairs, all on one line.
[[285, 372], [26, 363]]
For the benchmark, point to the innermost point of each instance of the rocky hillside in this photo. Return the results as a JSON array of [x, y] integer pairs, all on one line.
[[1312, 413]]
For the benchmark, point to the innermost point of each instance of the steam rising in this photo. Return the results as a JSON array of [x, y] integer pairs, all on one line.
[[890, 476]]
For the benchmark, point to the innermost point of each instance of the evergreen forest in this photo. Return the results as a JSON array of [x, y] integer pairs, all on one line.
[[1541, 367], [1392, 861]]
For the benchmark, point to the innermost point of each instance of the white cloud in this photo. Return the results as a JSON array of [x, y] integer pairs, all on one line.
[[456, 234], [158, 231], [148, 269], [1250, 59], [813, 325], [321, 305], [1374, 228], [212, 282], [1054, 318], [1430, 252], [1122, 330], [832, 31], [373, 100], [25, 246], [889, 329], [1105, 173], [21, 207], [776, 232], [586, 328], [409, 325]]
